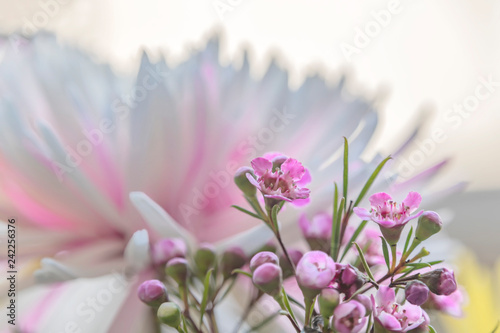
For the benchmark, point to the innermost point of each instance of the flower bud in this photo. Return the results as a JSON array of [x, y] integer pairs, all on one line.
[[314, 272], [429, 223], [177, 269], [168, 248], [232, 258], [241, 180], [295, 255], [152, 292], [328, 300], [204, 258], [268, 277], [317, 231], [169, 313], [416, 292], [440, 281], [262, 258]]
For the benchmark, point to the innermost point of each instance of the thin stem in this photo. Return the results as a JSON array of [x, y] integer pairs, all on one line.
[[279, 299], [184, 295], [212, 321], [309, 304]]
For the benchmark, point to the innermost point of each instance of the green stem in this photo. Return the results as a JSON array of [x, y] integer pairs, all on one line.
[[413, 245], [393, 251], [309, 304], [279, 299]]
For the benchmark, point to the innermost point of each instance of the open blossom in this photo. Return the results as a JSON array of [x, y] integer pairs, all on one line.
[[350, 317], [317, 231], [389, 215], [451, 304], [280, 180], [393, 317]]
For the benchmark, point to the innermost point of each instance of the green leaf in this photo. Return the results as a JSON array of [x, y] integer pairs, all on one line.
[[369, 326], [274, 214], [418, 265], [346, 170], [240, 271], [334, 220], [206, 291], [337, 240], [296, 302], [407, 243], [365, 264], [385, 250], [241, 209], [353, 238], [370, 181], [287, 304], [433, 330], [432, 263]]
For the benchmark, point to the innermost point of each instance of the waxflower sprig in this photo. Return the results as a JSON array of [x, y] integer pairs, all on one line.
[[348, 262]]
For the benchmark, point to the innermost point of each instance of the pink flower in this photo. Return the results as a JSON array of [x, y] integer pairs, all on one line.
[[263, 258], [314, 272], [392, 316], [280, 180], [268, 277], [389, 215], [168, 248], [317, 231], [350, 317]]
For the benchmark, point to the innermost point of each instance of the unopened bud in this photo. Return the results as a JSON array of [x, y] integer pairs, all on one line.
[[178, 270], [328, 300], [440, 281], [169, 313], [314, 272], [152, 292], [204, 258], [262, 258], [268, 277], [168, 248], [429, 223], [232, 258], [416, 292], [241, 180]]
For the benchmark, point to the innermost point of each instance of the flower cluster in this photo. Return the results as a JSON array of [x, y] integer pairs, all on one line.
[[351, 272]]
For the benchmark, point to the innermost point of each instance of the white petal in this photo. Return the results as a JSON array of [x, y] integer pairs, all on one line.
[[158, 218], [54, 271], [137, 251]]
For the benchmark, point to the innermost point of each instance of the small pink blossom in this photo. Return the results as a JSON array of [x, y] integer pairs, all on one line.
[[393, 316], [280, 180], [350, 317], [317, 231], [451, 304], [388, 213]]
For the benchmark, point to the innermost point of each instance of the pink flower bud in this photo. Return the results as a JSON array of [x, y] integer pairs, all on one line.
[[152, 292], [317, 231], [168, 248], [295, 255], [232, 258], [440, 281], [241, 180], [177, 269], [262, 258], [314, 272], [429, 223], [416, 292], [268, 277], [350, 317]]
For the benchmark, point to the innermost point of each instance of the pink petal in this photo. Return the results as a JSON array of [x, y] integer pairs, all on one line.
[[362, 213], [306, 179], [261, 166], [389, 321], [252, 180], [386, 223], [294, 168], [412, 217], [385, 296], [301, 202], [378, 199], [412, 200]]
